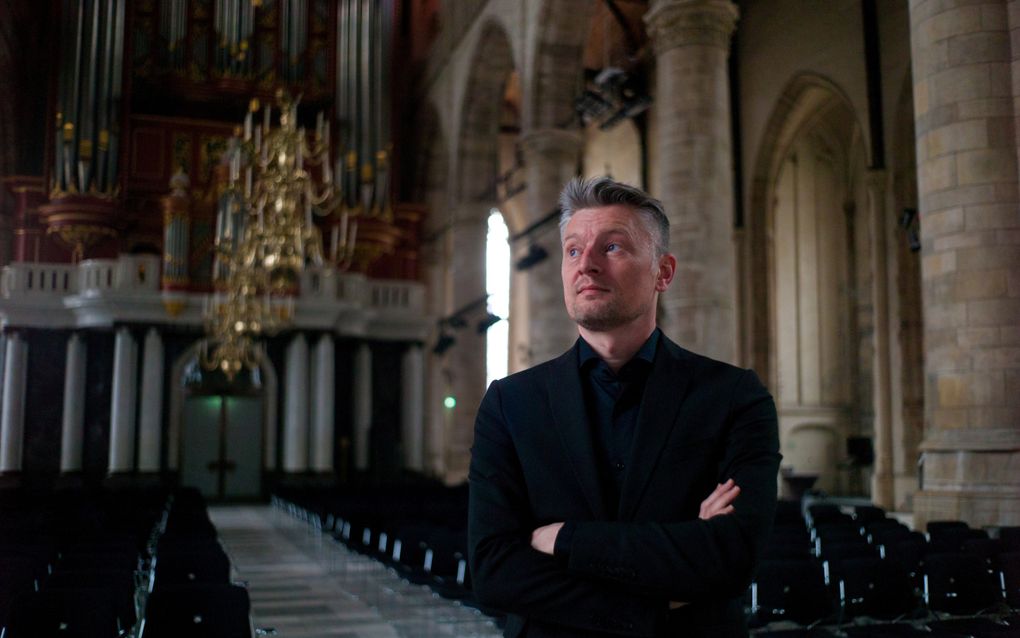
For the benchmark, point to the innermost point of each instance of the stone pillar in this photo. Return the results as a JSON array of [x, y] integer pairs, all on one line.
[[122, 410], [73, 421], [882, 487], [12, 414], [970, 261], [412, 407], [362, 406], [464, 362], [150, 428], [324, 389], [694, 159], [550, 161], [295, 420]]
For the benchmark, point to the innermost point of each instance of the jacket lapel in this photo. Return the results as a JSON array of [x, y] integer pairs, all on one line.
[[664, 392], [566, 399]]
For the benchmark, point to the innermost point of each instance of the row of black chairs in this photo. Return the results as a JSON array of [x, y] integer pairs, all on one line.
[[189, 590], [70, 559], [419, 530], [852, 571], [109, 564]]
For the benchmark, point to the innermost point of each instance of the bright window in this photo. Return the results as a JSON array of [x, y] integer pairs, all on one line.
[[497, 284]]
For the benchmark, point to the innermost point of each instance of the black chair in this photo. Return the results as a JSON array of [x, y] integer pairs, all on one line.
[[190, 567], [959, 584], [987, 548], [864, 514], [789, 590], [1009, 565], [950, 540], [119, 585], [908, 553], [64, 613], [197, 611], [821, 513], [18, 575], [1010, 538], [874, 588]]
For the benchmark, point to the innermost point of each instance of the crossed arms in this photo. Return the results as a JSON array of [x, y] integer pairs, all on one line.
[[620, 576]]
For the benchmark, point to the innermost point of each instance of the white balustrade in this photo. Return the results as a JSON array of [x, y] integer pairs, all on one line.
[[399, 296], [25, 278], [96, 275]]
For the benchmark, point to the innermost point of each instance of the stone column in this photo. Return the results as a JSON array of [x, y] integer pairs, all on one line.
[[324, 389], [122, 410], [550, 161], [362, 406], [464, 362], [150, 428], [692, 152], [412, 407], [12, 414], [73, 420], [970, 261], [295, 420], [882, 492]]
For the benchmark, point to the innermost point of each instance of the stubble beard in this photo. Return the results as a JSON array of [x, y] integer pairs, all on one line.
[[605, 317]]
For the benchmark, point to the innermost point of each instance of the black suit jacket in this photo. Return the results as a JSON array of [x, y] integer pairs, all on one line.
[[700, 422]]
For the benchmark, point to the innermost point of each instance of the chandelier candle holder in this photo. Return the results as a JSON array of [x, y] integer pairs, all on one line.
[[279, 183]]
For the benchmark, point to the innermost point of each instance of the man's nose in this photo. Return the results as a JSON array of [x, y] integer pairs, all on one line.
[[588, 261]]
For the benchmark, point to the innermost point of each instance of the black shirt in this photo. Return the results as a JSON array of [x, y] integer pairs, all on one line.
[[611, 401]]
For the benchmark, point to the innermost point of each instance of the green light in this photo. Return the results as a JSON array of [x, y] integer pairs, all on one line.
[[450, 402]]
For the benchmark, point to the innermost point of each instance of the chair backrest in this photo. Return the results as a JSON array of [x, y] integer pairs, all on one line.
[[874, 588], [118, 583], [189, 568], [1009, 566], [64, 613], [197, 611], [1010, 538], [959, 584], [789, 590]]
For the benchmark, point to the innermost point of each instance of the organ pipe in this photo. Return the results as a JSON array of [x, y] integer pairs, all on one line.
[[86, 140]]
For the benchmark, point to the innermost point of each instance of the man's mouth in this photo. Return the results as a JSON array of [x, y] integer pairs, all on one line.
[[591, 288]]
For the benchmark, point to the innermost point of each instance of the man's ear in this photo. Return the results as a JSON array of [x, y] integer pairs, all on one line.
[[665, 273]]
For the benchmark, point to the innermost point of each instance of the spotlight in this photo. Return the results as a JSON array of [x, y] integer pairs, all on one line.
[[536, 254], [489, 321], [444, 343]]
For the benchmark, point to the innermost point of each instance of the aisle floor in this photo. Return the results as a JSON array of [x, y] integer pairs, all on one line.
[[306, 585]]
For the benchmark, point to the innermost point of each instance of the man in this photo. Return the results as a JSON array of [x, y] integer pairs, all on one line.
[[588, 472]]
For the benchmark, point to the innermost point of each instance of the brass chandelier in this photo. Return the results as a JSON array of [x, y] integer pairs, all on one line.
[[279, 182]]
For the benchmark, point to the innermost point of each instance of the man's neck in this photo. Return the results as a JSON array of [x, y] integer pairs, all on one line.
[[618, 346]]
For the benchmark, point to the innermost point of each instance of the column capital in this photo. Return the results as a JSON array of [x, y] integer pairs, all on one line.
[[675, 23], [550, 141]]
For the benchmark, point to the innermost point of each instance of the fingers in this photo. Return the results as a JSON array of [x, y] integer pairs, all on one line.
[[720, 501]]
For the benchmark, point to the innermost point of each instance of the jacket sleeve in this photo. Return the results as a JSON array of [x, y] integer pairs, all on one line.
[[691, 560], [508, 574]]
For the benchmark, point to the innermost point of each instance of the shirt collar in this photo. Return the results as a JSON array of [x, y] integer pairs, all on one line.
[[586, 355]]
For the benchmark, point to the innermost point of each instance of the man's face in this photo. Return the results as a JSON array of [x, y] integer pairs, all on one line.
[[610, 275]]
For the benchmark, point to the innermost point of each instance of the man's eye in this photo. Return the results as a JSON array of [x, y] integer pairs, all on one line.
[[572, 252], [611, 247]]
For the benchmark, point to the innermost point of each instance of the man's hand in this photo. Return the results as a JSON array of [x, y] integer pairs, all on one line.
[[720, 501], [544, 538]]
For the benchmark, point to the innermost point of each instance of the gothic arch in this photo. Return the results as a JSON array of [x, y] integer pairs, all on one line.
[[804, 99], [478, 143], [809, 280], [557, 71]]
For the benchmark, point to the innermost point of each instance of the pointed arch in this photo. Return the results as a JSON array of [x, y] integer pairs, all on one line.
[[805, 98], [558, 68], [478, 143]]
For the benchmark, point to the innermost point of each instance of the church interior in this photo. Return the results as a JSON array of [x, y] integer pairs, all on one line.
[[261, 259]]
